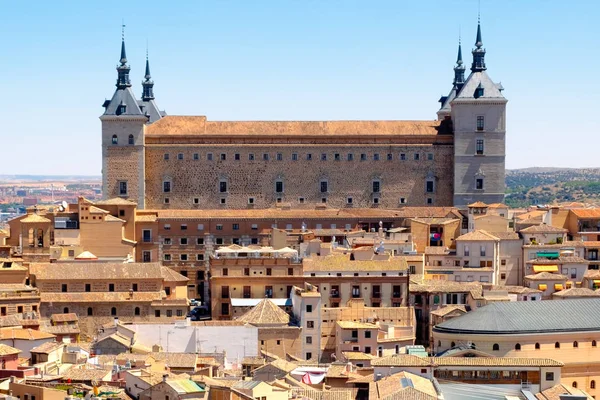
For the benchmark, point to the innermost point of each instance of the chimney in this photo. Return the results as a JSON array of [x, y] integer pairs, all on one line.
[[165, 376]]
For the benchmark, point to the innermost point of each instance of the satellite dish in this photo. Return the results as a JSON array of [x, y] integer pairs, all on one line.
[[64, 204]]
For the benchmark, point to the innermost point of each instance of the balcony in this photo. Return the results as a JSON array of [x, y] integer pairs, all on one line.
[[335, 294]]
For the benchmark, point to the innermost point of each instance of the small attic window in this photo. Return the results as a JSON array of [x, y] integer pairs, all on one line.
[[478, 91], [121, 109], [114, 139]]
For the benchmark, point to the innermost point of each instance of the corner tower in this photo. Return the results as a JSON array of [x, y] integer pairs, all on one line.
[[123, 148], [478, 114]]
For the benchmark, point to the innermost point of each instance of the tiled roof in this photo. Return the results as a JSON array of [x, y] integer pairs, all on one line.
[[254, 361], [176, 360], [576, 315], [506, 235], [265, 313], [47, 347], [559, 260], [342, 262], [356, 325], [280, 364], [545, 276], [103, 297], [10, 320], [478, 204], [516, 289], [96, 271], [439, 286], [535, 214], [170, 275], [401, 360], [409, 393], [69, 317], [117, 201], [436, 250], [357, 356], [145, 218], [97, 210], [80, 374], [448, 309], [555, 392], [24, 334], [586, 212], [403, 385], [478, 235], [35, 219], [576, 292], [497, 205], [543, 228], [111, 218], [6, 350], [200, 126], [495, 362]]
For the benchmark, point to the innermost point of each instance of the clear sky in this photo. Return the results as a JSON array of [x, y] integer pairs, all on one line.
[[294, 60]]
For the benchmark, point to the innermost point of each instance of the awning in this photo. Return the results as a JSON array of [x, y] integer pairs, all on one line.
[[597, 281], [548, 254], [558, 286], [542, 286], [545, 268]]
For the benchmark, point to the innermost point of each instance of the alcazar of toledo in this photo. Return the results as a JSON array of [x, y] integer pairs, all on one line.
[[187, 162]]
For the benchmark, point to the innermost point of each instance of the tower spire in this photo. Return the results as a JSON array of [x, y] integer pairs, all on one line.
[[147, 84], [459, 69], [478, 52], [123, 69]]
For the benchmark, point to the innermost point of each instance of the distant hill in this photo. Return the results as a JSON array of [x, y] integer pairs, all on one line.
[[539, 185], [43, 178]]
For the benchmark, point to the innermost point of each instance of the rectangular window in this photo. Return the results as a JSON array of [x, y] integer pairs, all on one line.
[[183, 241], [265, 157], [225, 272], [183, 257], [166, 257], [376, 186], [482, 251], [250, 157], [225, 309], [247, 292], [402, 157], [236, 156], [290, 271], [324, 187], [308, 308], [196, 200], [363, 157], [157, 313], [209, 157], [223, 187], [309, 340], [549, 376], [63, 288], [269, 292], [223, 157], [169, 313], [166, 200], [111, 287], [122, 188], [199, 257], [196, 156], [166, 156], [429, 187], [279, 157], [219, 227], [200, 227], [355, 291], [167, 227], [417, 156], [183, 227], [147, 235], [180, 156], [146, 256], [336, 156], [376, 157], [235, 227], [88, 287], [269, 271], [254, 227], [479, 184], [224, 292], [349, 200], [350, 157], [301, 200], [310, 324], [430, 156], [294, 156], [250, 200], [324, 157], [279, 187], [402, 200], [479, 147], [480, 123], [429, 200], [466, 251], [308, 157]]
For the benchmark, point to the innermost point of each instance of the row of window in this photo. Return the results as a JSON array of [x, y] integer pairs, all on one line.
[[64, 287], [302, 200], [136, 312], [183, 257], [307, 156], [496, 346]]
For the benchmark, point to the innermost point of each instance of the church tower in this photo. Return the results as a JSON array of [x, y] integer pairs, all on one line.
[[478, 113], [123, 151]]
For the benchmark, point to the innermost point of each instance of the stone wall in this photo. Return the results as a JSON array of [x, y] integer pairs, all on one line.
[[124, 163], [200, 178]]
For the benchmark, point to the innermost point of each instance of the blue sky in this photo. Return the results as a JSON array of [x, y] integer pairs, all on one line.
[[294, 60]]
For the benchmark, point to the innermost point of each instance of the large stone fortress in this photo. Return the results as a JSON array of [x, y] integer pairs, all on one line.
[[186, 162]]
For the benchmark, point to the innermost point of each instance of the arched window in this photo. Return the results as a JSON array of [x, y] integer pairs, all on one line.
[[537, 346], [130, 139], [113, 311], [518, 347], [473, 346], [90, 311], [592, 384], [136, 311], [496, 347], [114, 139], [557, 345], [439, 343], [593, 343], [574, 384], [66, 310], [575, 344], [452, 345]]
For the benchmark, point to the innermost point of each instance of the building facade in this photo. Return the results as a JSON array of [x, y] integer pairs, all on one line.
[[187, 162]]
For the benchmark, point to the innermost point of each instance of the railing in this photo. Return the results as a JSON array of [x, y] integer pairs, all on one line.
[[335, 294]]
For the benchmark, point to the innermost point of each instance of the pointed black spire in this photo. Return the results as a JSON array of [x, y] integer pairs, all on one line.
[[478, 52], [123, 69], [459, 69], [147, 84]]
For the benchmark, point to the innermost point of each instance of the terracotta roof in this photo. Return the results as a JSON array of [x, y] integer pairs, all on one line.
[[280, 364], [97, 210], [436, 250], [576, 292], [506, 235], [96, 271], [199, 125], [585, 213], [176, 360], [559, 260], [342, 262], [448, 309], [535, 214], [555, 392], [118, 201], [265, 313], [357, 356], [497, 205], [170, 275], [10, 320], [478, 204], [24, 334], [6, 350], [401, 360], [104, 297], [403, 385], [81, 374], [543, 228], [355, 325], [254, 361], [35, 219], [47, 347], [145, 218], [439, 286], [495, 362], [478, 235], [69, 317], [516, 289], [110, 218], [546, 276]]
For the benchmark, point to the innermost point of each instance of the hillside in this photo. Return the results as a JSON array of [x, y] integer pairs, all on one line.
[[531, 186]]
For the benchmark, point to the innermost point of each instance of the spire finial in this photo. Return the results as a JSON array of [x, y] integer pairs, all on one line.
[[147, 75], [123, 60], [147, 84], [123, 68], [478, 52], [459, 59]]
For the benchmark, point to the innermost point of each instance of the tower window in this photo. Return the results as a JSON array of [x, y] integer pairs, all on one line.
[[350, 157], [123, 188], [376, 157], [324, 187], [250, 157], [223, 157], [430, 156], [402, 157], [363, 157], [180, 156], [166, 187], [417, 156], [236, 156], [196, 156], [429, 187], [390, 157], [402, 200], [308, 157], [294, 156], [223, 187], [324, 157], [209, 157], [429, 200], [479, 183], [349, 200], [114, 139], [480, 122], [166, 156], [279, 187], [266, 157], [376, 186], [279, 157], [479, 147], [336, 156], [130, 139]]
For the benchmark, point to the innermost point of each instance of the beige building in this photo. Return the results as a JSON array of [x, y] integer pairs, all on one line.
[[566, 331]]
